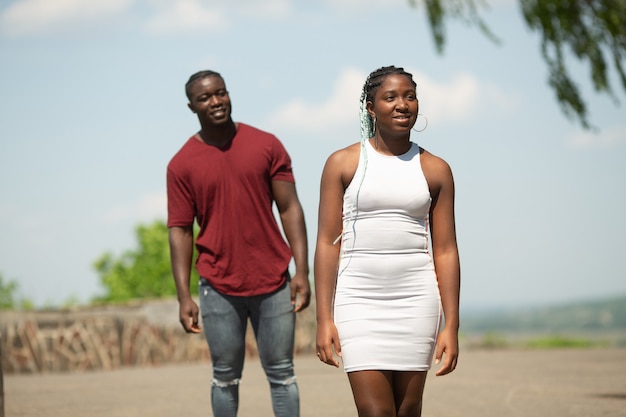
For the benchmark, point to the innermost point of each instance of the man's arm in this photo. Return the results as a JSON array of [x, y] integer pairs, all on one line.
[[292, 219], [181, 255]]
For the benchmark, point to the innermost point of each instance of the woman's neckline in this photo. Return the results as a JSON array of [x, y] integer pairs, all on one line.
[[411, 147]]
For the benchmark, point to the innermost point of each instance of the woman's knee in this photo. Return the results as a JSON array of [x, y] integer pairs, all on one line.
[[411, 408], [375, 409]]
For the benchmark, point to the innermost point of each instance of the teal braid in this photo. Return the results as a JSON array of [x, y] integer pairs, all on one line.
[[367, 124]]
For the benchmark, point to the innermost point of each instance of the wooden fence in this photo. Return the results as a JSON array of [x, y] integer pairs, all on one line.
[[141, 334]]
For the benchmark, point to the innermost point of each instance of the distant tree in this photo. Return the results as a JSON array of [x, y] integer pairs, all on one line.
[[9, 299], [8, 294], [144, 272], [594, 31]]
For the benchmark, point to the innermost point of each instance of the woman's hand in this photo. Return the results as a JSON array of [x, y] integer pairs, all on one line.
[[448, 344], [327, 340]]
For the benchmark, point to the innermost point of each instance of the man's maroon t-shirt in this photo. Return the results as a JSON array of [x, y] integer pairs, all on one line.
[[241, 250]]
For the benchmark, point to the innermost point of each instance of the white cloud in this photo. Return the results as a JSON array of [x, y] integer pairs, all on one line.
[[604, 139], [267, 9], [202, 16], [461, 99], [452, 101], [41, 16], [27, 17], [185, 16], [354, 7], [152, 206], [339, 110]]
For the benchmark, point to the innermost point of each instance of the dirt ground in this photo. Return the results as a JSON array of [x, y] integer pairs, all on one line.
[[498, 383]]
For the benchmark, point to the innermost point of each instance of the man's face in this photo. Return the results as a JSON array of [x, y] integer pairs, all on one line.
[[209, 99]]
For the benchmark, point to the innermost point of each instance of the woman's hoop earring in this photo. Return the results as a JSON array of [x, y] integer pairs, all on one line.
[[425, 126]]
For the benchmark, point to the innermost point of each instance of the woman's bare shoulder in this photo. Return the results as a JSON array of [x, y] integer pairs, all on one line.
[[433, 161], [342, 164], [345, 155], [436, 169], [347, 151]]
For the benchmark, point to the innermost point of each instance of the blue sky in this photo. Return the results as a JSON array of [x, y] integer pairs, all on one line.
[[92, 108]]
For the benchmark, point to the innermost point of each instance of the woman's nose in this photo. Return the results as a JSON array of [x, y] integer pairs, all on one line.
[[402, 104]]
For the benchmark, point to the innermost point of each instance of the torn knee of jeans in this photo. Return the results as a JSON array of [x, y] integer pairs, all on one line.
[[225, 384], [288, 381]]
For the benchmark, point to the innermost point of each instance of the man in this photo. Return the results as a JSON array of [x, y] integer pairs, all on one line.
[[227, 177]]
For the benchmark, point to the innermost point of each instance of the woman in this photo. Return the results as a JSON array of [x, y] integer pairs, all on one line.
[[380, 286]]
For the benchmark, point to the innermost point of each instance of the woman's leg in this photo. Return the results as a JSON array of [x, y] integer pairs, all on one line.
[[408, 392], [373, 393], [387, 393]]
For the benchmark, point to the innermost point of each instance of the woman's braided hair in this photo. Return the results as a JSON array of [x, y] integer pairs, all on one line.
[[372, 83]]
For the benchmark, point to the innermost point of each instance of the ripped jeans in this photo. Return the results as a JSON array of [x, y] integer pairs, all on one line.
[[224, 319]]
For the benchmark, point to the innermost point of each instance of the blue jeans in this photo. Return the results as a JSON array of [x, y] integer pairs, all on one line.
[[224, 319]]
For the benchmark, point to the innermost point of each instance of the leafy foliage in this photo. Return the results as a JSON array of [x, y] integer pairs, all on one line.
[[594, 31], [561, 342], [144, 272], [9, 299], [7, 294], [439, 10]]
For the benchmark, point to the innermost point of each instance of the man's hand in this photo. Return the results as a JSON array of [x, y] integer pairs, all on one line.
[[188, 315], [300, 292]]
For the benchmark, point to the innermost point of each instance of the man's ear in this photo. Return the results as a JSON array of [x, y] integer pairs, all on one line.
[[191, 107]]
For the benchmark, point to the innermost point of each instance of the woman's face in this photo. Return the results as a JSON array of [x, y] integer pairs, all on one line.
[[395, 105]]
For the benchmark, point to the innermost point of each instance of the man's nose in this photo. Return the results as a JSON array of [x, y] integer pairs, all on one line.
[[215, 101]]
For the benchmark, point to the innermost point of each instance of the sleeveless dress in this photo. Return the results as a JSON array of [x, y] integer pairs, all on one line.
[[387, 306]]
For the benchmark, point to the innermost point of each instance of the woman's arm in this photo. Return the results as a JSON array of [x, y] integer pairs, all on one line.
[[334, 180], [445, 257]]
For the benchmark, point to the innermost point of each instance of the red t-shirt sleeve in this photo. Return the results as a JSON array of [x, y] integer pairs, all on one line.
[[180, 206], [281, 169]]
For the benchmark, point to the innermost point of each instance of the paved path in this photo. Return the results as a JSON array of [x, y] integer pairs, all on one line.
[[500, 383]]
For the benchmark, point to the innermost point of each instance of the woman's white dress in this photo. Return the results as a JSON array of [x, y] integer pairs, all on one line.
[[387, 305]]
